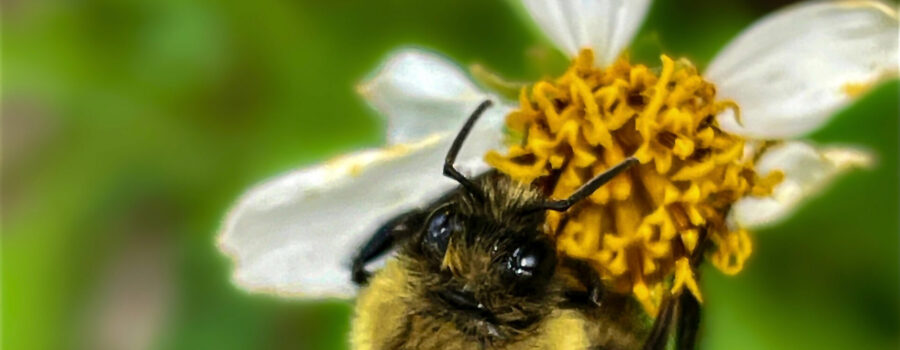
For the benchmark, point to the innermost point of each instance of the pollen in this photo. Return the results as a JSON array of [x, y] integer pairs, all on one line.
[[641, 230]]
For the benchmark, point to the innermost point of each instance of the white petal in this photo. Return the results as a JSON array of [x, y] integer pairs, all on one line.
[[792, 70], [605, 26], [420, 93], [807, 170], [295, 234]]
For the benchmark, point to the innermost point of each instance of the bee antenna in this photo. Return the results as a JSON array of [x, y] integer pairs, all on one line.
[[449, 170], [587, 189]]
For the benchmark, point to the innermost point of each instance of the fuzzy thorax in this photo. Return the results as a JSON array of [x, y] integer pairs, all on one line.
[[641, 229]]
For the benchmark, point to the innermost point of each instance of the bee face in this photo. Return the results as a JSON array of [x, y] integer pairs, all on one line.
[[484, 264], [473, 269]]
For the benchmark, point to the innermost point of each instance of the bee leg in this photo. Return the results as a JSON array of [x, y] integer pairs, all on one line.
[[688, 322], [382, 241], [659, 334], [588, 276], [688, 305]]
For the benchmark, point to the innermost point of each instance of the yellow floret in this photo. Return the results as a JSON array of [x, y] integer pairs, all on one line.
[[641, 229]]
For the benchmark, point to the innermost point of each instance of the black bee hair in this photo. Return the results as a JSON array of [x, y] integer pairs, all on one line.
[[476, 268]]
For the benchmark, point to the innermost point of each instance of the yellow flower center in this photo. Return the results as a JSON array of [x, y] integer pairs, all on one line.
[[640, 230]]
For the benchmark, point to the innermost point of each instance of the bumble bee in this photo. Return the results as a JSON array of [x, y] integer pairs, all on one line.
[[474, 270]]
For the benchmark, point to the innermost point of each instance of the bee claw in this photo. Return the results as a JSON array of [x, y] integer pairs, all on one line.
[[360, 276], [596, 296]]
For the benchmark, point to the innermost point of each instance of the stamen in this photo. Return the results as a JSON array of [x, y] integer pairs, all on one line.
[[641, 228]]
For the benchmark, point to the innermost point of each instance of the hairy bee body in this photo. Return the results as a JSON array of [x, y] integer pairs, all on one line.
[[399, 308], [389, 316], [475, 270]]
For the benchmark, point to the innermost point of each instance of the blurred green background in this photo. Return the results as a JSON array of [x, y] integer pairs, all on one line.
[[130, 126]]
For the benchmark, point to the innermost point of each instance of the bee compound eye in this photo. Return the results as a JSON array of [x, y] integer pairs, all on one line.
[[441, 226], [532, 264]]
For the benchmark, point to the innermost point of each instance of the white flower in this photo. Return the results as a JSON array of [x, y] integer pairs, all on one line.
[[788, 73]]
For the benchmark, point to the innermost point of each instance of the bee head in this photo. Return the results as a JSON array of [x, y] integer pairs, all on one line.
[[480, 258], [483, 261]]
